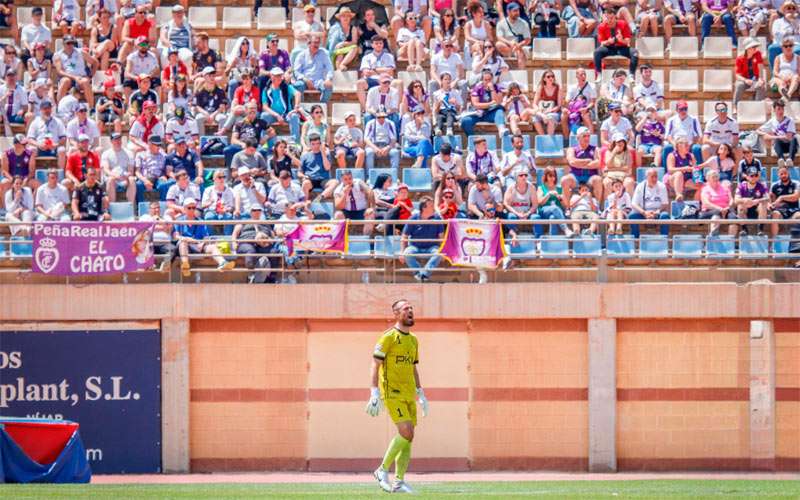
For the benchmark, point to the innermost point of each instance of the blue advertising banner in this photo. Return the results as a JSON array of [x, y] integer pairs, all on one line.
[[108, 381]]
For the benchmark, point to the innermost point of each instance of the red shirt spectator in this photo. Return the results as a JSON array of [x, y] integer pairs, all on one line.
[[166, 73], [749, 67], [136, 30], [241, 96], [77, 163], [405, 206], [604, 31]]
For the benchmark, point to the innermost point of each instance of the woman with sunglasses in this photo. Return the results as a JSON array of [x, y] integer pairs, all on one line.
[[411, 42], [445, 26], [315, 126], [785, 27], [486, 58], [618, 162], [785, 70], [521, 203], [414, 97], [103, 39], [518, 107], [243, 59], [551, 204], [449, 181], [547, 104]]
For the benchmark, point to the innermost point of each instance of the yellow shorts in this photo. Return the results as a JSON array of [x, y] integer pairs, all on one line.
[[401, 410]]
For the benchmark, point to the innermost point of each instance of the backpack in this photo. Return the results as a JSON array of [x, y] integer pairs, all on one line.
[[214, 147]]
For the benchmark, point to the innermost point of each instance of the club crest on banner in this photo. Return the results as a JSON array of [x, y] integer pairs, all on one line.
[[473, 243]]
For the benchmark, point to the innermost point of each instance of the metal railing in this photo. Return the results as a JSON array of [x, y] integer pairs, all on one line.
[[376, 255]]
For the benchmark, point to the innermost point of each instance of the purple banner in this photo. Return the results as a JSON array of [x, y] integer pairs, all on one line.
[[92, 248], [328, 236], [473, 243]]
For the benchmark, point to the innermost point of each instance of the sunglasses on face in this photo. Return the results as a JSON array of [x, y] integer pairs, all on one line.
[[317, 112], [448, 197], [189, 208]]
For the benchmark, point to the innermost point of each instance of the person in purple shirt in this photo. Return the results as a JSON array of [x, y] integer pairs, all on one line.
[[271, 58], [486, 99], [715, 13], [752, 197], [18, 160], [651, 134]]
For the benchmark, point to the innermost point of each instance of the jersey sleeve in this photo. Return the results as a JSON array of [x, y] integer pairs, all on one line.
[[382, 347]]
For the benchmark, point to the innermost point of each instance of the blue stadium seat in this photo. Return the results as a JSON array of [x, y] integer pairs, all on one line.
[[621, 245], [554, 246], [121, 211], [641, 173], [322, 207], [206, 138], [548, 146], [358, 173], [794, 174], [525, 249], [417, 179], [721, 246], [41, 175], [382, 250], [491, 142], [587, 245], [573, 140], [3, 246], [454, 140], [526, 143], [676, 207], [781, 244], [753, 246], [653, 246], [359, 246], [21, 247], [375, 172], [687, 246], [144, 207]]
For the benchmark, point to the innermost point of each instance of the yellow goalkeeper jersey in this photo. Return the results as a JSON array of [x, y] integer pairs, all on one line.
[[399, 352]]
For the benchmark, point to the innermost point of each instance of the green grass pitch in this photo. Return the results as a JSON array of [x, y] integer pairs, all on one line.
[[522, 489]]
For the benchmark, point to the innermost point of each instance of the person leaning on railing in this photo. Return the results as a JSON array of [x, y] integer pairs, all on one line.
[[650, 202], [421, 239]]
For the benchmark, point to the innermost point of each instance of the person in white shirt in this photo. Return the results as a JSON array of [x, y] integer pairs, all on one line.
[[682, 124], [285, 192], [219, 201], [49, 135], [52, 200], [721, 129], [117, 168], [583, 206], [447, 105], [182, 189], [482, 160], [648, 91], [416, 138], [13, 100], [411, 42], [82, 125], [380, 138], [579, 103], [353, 198], [34, 33], [517, 160], [650, 201], [179, 126], [348, 142], [447, 61], [141, 62], [374, 64], [448, 162], [615, 124], [618, 206], [70, 65], [781, 131], [417, 8], [304, 30], [248, 193], [383, 97]]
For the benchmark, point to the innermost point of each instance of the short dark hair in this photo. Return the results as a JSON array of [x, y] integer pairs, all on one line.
[[250, 143]]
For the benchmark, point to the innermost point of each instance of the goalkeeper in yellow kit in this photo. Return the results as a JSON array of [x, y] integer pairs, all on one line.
[[395, 383]]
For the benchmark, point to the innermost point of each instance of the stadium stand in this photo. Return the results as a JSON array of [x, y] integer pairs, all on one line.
[[142, 94]]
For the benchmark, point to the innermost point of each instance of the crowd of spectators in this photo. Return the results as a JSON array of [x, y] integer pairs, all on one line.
[[167, 101]]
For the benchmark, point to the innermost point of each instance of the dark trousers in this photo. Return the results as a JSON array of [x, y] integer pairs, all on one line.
[[547, 27], [786, 149], [604, 51], [445, 119], [167, 249]]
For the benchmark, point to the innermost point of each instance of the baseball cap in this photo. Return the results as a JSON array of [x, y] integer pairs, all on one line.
[[20, 139], [276, 71], [381, 112], [256, 208], [177, 8], [83, 138], [188, 202], [208, 70], [402, 186], [115, 136], [682, 105], [448, 191], [69, 39], [37, 11], [180, 112], [385, 78], [83, 107], [619, 137], [309, 8], [513, 6], [149, 104], [349, 114], [752, 170], [181, 139], [582, 131], [142, 40], [650, 106], [613, 106], [142, 76], [40, 82], [173, 50], [243, 171], [46, 104], [155, 139]]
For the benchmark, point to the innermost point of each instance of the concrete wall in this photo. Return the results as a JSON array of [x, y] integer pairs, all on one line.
[[520, 376]]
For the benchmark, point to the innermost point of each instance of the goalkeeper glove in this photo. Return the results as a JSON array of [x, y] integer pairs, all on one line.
[[423, 402], [374, 404]]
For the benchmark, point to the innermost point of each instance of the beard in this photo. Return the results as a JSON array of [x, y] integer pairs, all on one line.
[[408, 321]]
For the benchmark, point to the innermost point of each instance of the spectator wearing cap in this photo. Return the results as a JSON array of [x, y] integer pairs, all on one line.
[[38, 65], [13, 99], [648, 91], [422, 239], [182, 189], [487, 106], [618, 162], [374, 65], [153, 174], [117, 168], [411, 41], [204, 56], [219, 200], [343, 39], [89, 200], [716, 12], [241, 65], [349, 142], [210, 103], [147, 125], [750, 73], [315, 168], [780, 131], [183, 158], [614, 39], [447, 105], [450, 62], [18, 161], [79, 160], [39, 92], [181, 127], [176, 34], [384, 98], [272, 57], [313, 70], [285, 192], [416, 138], [618, 92], [579, 104], [251, 158], [304, 30], [194, 239], [752, 198], [248, 193], [354, 198], [143, 93], [82, 125], [513, 35], [52, 200], [650, 134], [784, 199], [142, 62], [250, 129], [281, 102], [102, 38], [650, 202], [255, 242], [49, 135], [380, 138], [138, 25], [405, 9], [784, 27], [72, 66], [719, 130], [66, 15], [33, 33], [686, 125], [110, 109]]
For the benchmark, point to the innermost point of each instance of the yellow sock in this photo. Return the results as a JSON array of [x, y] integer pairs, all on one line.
[[403, 458], [395, 447]]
